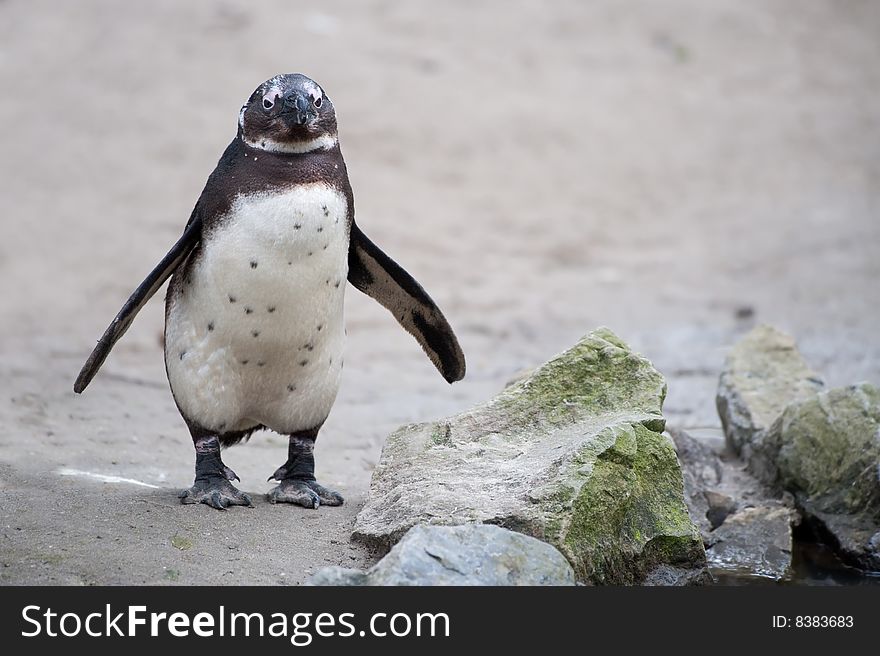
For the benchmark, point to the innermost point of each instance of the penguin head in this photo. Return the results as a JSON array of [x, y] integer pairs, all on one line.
[[288, 113]]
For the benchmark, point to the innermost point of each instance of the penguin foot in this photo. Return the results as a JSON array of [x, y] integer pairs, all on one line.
[[309, 494], [216, 491]]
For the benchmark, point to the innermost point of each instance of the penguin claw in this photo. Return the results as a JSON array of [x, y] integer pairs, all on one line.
[[328, 497], [308, 494], [215, 491], [217, 501], [279, 474], [230, 475]]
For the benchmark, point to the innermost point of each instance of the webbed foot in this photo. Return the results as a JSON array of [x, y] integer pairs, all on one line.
[[309, 494], [297, 476], [215, 491], [212, 485]]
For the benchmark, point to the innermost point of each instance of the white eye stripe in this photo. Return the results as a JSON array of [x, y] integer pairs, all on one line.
[[274, 92], [270, 97], [315, 92]]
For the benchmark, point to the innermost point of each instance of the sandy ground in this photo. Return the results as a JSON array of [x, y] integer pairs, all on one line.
[[676, 171]]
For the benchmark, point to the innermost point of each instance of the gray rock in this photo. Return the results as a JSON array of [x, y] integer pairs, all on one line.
[[720, 506], [821, 446], [336, 575], [476, 554], [702, 472], [572, 454], [754, 542], [764, 372], [827, 450], [668, 575], [854, 538]]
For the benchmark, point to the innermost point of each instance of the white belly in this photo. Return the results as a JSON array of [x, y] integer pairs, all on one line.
[[256, 335]]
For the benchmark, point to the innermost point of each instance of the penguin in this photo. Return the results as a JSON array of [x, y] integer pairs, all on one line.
[[254, 322]]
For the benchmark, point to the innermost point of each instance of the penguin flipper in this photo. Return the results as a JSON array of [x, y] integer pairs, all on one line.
[[138, 299], [378, 276]]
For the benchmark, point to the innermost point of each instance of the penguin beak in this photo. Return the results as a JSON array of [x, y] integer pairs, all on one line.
[[299, 107]]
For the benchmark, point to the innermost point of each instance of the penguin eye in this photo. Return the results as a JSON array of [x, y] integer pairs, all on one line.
[[270, 97], [317, 101]]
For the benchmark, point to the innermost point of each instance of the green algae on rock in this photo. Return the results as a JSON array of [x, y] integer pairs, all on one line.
[[829, 449], [572, 454], [828, 456], [764, 372]]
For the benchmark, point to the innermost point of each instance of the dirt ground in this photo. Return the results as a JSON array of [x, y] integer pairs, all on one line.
[[676, 171]]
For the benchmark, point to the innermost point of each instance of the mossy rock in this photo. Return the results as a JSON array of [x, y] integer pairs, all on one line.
[[572, 454], [828, 456], [829, 449], [763, 373]]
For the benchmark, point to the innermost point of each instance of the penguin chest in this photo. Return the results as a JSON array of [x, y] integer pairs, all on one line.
[[255, 331]]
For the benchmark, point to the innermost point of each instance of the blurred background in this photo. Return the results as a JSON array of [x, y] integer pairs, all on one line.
[[678, 171]]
